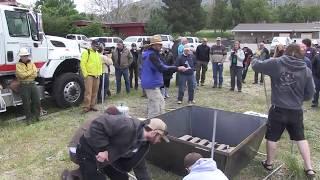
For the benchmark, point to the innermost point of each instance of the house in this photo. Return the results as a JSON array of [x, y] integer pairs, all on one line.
[[123, 29], [254, 33]]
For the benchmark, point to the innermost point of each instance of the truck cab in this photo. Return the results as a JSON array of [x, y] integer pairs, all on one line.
[[56, 58]]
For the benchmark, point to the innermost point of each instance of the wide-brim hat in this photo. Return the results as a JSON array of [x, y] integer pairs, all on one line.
[[156, 39]]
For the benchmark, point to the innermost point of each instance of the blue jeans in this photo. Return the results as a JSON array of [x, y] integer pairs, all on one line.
[[217, 71], [183, 80], [317, 89], [125, 74]]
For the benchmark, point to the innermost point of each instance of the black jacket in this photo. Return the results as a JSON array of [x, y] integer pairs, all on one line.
[[202, 53], [168, 60], [187, 61], [117, 134]]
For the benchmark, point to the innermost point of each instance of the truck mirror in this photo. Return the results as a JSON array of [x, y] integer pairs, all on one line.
[[40, 36]]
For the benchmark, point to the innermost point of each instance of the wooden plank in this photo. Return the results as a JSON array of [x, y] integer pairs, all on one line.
[[185, 137], [221, 147], [203, 142], [195, 140]]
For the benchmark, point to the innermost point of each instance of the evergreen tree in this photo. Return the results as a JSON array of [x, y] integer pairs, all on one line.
[[255, 11], [157, 24], [184, 16], [221, 16]]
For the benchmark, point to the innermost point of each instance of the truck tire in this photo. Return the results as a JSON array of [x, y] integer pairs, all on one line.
[[68, 90]]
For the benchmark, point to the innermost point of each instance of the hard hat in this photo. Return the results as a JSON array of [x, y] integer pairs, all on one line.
[[24, 52]]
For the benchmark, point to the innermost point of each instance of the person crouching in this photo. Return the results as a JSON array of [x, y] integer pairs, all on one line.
[[202, 168]]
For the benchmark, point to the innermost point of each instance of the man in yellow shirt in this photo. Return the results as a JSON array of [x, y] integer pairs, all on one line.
[[26, 73], [91, 67]]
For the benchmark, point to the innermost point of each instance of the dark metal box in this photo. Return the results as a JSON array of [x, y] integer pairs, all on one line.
[[238, 137]]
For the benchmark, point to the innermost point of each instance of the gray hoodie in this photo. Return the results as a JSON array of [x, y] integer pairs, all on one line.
[[291, 80]]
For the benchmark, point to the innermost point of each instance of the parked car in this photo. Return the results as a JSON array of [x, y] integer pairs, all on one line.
[[194, 42], [135, 39], [167, 41], [109, 42], [279, 40], [81, 39]]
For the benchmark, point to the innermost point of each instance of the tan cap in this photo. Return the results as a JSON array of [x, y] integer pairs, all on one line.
[[205, 39], [156, 39], [158, 125], [218, 39]]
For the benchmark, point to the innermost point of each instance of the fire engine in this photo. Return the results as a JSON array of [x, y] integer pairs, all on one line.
[[58, 59]]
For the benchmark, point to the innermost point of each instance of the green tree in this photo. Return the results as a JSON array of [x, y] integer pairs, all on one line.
[[255, 11], [58, 16], [184, 17], [311, 13], [221, 16], [290, 13], [157, 24], [92, 30]]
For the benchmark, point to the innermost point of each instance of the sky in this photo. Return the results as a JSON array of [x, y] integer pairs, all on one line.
[[79, 3]]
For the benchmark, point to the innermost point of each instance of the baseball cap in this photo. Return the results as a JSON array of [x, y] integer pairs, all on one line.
[[204, 40], [218, 39], [160, 127]]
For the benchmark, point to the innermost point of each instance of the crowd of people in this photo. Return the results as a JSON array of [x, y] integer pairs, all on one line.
[[106, 147]]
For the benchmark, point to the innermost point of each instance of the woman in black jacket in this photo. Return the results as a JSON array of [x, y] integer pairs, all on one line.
[[167, 58]]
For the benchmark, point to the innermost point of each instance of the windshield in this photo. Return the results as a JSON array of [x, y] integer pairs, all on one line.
[[190, 40], [131, 39], [164, 38]]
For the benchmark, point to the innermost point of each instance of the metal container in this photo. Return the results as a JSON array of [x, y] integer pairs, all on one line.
[[238, 137]]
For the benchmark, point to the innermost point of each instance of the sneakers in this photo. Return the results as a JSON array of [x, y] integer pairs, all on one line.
[[214, 86], [179, 102], [191, 102], [220, 86]]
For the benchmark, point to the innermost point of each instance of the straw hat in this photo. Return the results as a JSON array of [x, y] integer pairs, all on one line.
[[156, 39]]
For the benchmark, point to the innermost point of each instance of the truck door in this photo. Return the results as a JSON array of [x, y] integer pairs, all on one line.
[[2, 47], [39, 47], [19, 34]]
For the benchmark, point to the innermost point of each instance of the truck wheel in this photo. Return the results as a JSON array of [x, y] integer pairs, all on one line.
[[68, 90]]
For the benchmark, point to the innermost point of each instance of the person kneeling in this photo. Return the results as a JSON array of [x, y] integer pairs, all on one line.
[[202, 168]]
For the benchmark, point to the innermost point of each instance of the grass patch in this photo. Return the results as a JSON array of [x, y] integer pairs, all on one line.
[[208, 33], [39, 151]]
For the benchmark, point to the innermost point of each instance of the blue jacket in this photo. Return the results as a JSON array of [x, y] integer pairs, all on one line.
[[152, 69], [205, 169]]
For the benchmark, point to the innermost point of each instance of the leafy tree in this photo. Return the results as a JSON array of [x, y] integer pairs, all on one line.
[[255, 11], [58, 16], [290, 13], [184, 17], [221, 16], [93, 29], [157, 24]]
